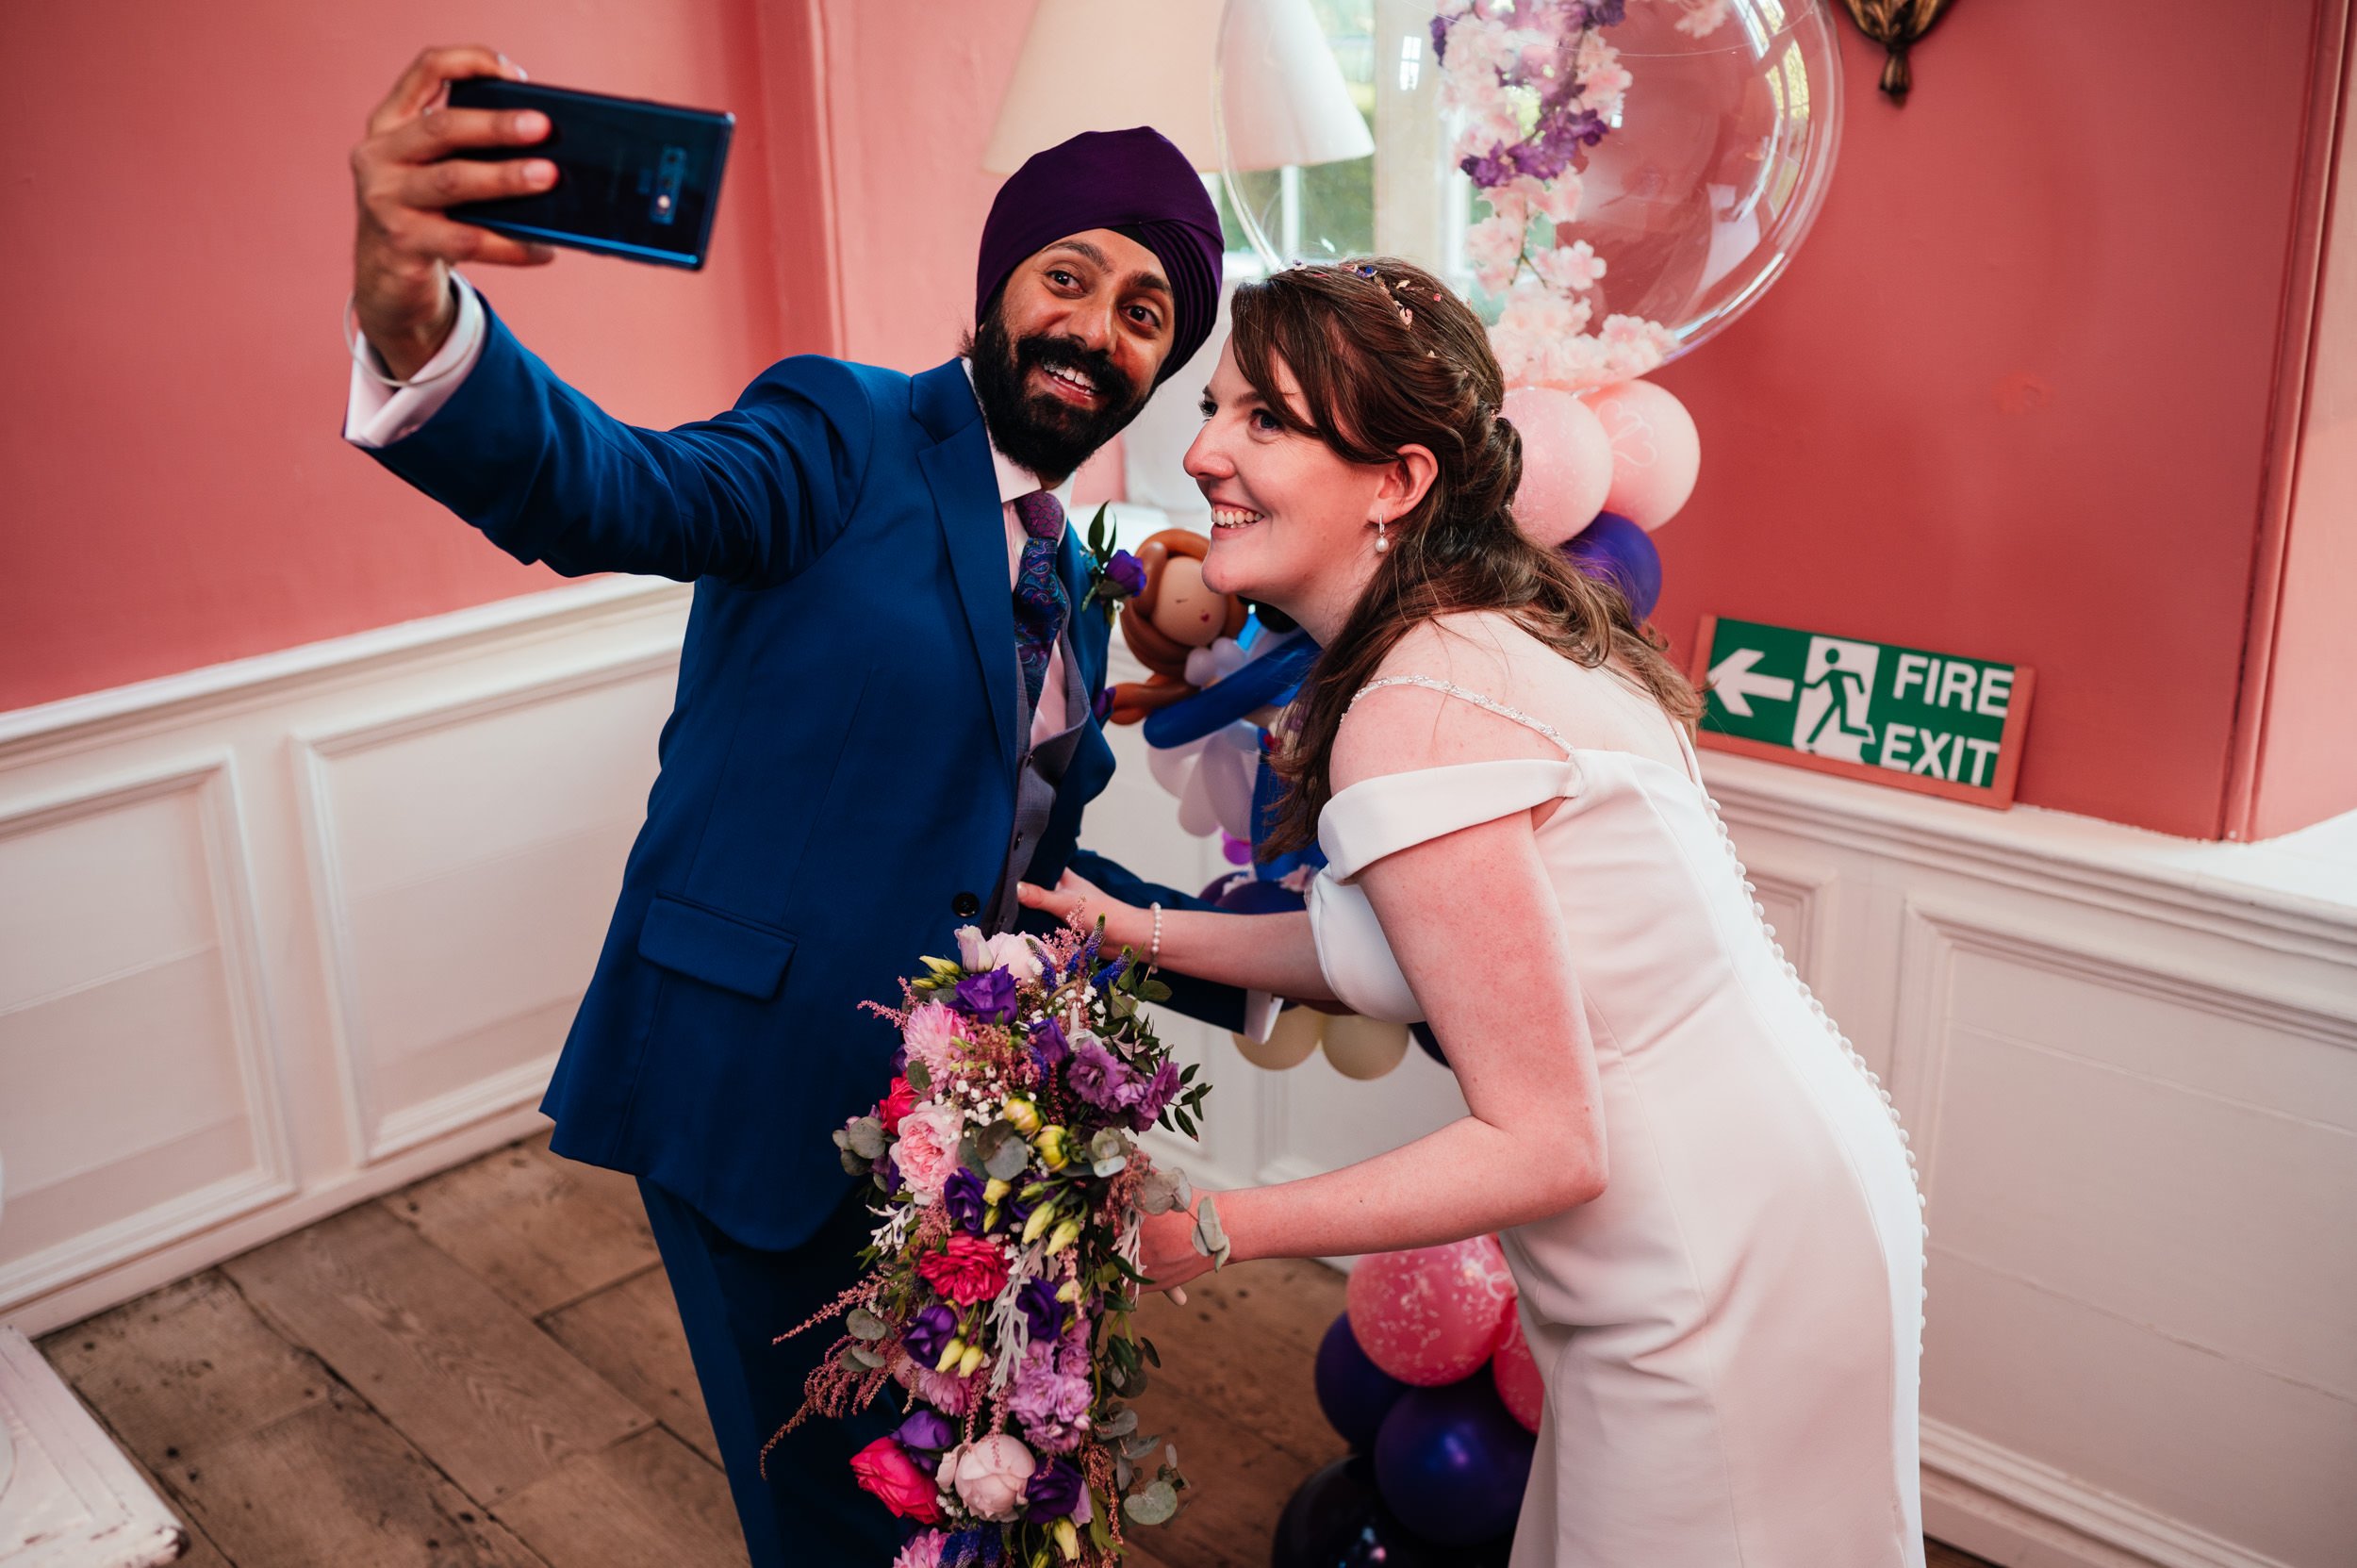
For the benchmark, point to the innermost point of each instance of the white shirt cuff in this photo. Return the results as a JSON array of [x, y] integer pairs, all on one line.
[[377, 415], [1260, 1015]]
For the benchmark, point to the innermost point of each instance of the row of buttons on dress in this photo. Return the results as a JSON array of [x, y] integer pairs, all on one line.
[[1874, 1080]]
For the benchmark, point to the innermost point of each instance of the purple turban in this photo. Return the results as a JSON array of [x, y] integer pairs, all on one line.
[[1133, 182]]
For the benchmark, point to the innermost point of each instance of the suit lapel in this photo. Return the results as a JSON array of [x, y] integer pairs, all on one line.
[[966, 500]]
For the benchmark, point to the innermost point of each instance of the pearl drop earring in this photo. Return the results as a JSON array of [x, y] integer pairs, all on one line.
[[1381, 544]]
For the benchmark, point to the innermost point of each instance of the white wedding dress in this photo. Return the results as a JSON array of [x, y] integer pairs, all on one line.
[[1729, 1335]]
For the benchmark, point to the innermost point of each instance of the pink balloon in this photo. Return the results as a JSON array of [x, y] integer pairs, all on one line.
[[1656, 451], [1435, 1315], [1517, 1374], [1566, 463]]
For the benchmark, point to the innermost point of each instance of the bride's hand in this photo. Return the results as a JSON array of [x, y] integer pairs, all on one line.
[[1077, 900], [1167, 1254]]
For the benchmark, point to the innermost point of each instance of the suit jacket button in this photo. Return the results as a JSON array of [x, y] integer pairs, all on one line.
[[966, 906]]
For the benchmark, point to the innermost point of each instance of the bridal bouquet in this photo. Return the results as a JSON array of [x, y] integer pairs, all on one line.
[[1002, 1275]]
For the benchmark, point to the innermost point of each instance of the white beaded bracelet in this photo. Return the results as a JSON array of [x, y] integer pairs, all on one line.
[[1154, 955]]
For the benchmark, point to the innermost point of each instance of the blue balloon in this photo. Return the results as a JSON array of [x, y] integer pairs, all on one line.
[[1422, 1033], [1355, 1393], [1253, 897], [1616, 548], [1336, 1520], [1452, 1461]]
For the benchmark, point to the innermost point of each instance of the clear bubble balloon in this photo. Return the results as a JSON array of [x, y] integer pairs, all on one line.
[[1613, 182]]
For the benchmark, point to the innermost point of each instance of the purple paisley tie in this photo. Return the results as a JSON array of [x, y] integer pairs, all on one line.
[[1040, 602]]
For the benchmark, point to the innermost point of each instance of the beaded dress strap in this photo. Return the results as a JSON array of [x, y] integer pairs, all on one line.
[[1526, 720]]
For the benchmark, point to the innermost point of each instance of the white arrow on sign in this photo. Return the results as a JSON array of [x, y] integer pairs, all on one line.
[[1733, 681]]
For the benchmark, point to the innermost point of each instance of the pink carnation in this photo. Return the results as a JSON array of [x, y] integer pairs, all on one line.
[[923, 1550], [946, 1392], [968, 1269]]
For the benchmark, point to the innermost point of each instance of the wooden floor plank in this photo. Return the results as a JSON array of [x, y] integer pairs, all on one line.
[[650, 1502], [540, 1230], [183, 1367], [630, 1335], [1238, 1482], [465, 1377], [334, 1486], [1260, 1381]]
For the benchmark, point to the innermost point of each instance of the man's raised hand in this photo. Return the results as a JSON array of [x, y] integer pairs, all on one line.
[[402, 177]]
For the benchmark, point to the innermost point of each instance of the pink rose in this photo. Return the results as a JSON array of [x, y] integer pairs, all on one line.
[[992, 1474], [927, 1151], [970, 1269], [884, 1468]]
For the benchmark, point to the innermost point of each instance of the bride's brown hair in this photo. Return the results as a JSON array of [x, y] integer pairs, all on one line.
[[1386, 356]]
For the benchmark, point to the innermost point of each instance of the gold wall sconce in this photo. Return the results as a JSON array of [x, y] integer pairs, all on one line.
[[1896, 24]]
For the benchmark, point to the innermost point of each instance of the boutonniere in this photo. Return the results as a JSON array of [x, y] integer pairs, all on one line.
[[1114, 575]]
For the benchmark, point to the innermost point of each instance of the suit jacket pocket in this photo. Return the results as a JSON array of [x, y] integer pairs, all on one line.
[[714, 948]]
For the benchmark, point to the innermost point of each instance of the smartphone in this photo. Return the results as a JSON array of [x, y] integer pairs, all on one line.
[[633, 179]]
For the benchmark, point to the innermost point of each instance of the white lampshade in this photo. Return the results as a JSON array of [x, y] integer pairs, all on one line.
[[1103, 65]]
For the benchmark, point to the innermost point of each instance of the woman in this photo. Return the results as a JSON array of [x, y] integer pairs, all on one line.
[[1706, 1204]]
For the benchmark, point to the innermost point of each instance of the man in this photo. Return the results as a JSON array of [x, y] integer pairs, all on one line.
[[884, 717]]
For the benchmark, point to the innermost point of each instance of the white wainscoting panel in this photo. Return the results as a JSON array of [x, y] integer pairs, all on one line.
[[281, 934]]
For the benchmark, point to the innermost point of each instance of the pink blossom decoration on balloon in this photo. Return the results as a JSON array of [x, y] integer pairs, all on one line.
[[1566, 463], [1434, 1314], [1517, 1374], [1656, 453]]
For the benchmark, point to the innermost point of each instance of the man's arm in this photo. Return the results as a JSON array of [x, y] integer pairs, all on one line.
[[1228, 1007], [752, 496]]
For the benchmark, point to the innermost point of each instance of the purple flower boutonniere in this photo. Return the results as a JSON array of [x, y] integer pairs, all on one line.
[[1114, 575]]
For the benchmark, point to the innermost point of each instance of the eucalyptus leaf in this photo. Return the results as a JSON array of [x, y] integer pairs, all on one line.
[[1007, 1161], [1121, 1423], [862, 1358], [853, 1164], [1154, 1506], [920, 1077], [1123, 1473], [1139, 1446], [1153, 990], [867, 1135], [866, 1324]]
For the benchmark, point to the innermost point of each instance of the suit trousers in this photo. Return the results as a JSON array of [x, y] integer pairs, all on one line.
[[734, 1299]]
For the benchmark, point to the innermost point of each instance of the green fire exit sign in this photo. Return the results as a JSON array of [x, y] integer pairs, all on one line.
[[1938, 722]]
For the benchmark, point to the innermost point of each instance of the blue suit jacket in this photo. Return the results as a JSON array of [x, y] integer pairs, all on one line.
[[838, 772]]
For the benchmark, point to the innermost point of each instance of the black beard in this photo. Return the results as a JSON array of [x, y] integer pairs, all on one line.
[[1037, 430]]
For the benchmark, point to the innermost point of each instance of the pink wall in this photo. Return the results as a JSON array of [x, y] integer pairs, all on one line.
[[2013, 398], [180, 216], [2306, 739]]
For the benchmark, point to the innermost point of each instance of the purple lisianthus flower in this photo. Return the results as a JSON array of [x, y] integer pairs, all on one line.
[[962, 1196], [988, 997], [1103, 703], [929, 1331], [1125, 573], [890, 1172], [1049, 1040], [1056, 1491], [927, 1427], [1037, 1299], [1097, 1076], [1156, 1096]]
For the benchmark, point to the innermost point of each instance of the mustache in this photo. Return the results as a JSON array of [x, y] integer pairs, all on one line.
[[1063, 354]]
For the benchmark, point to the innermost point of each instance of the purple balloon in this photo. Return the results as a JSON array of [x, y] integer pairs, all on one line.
[[1335, 1520], [1429, 1042], [1355, 1393], [1452, 1461], [1617, 550]]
